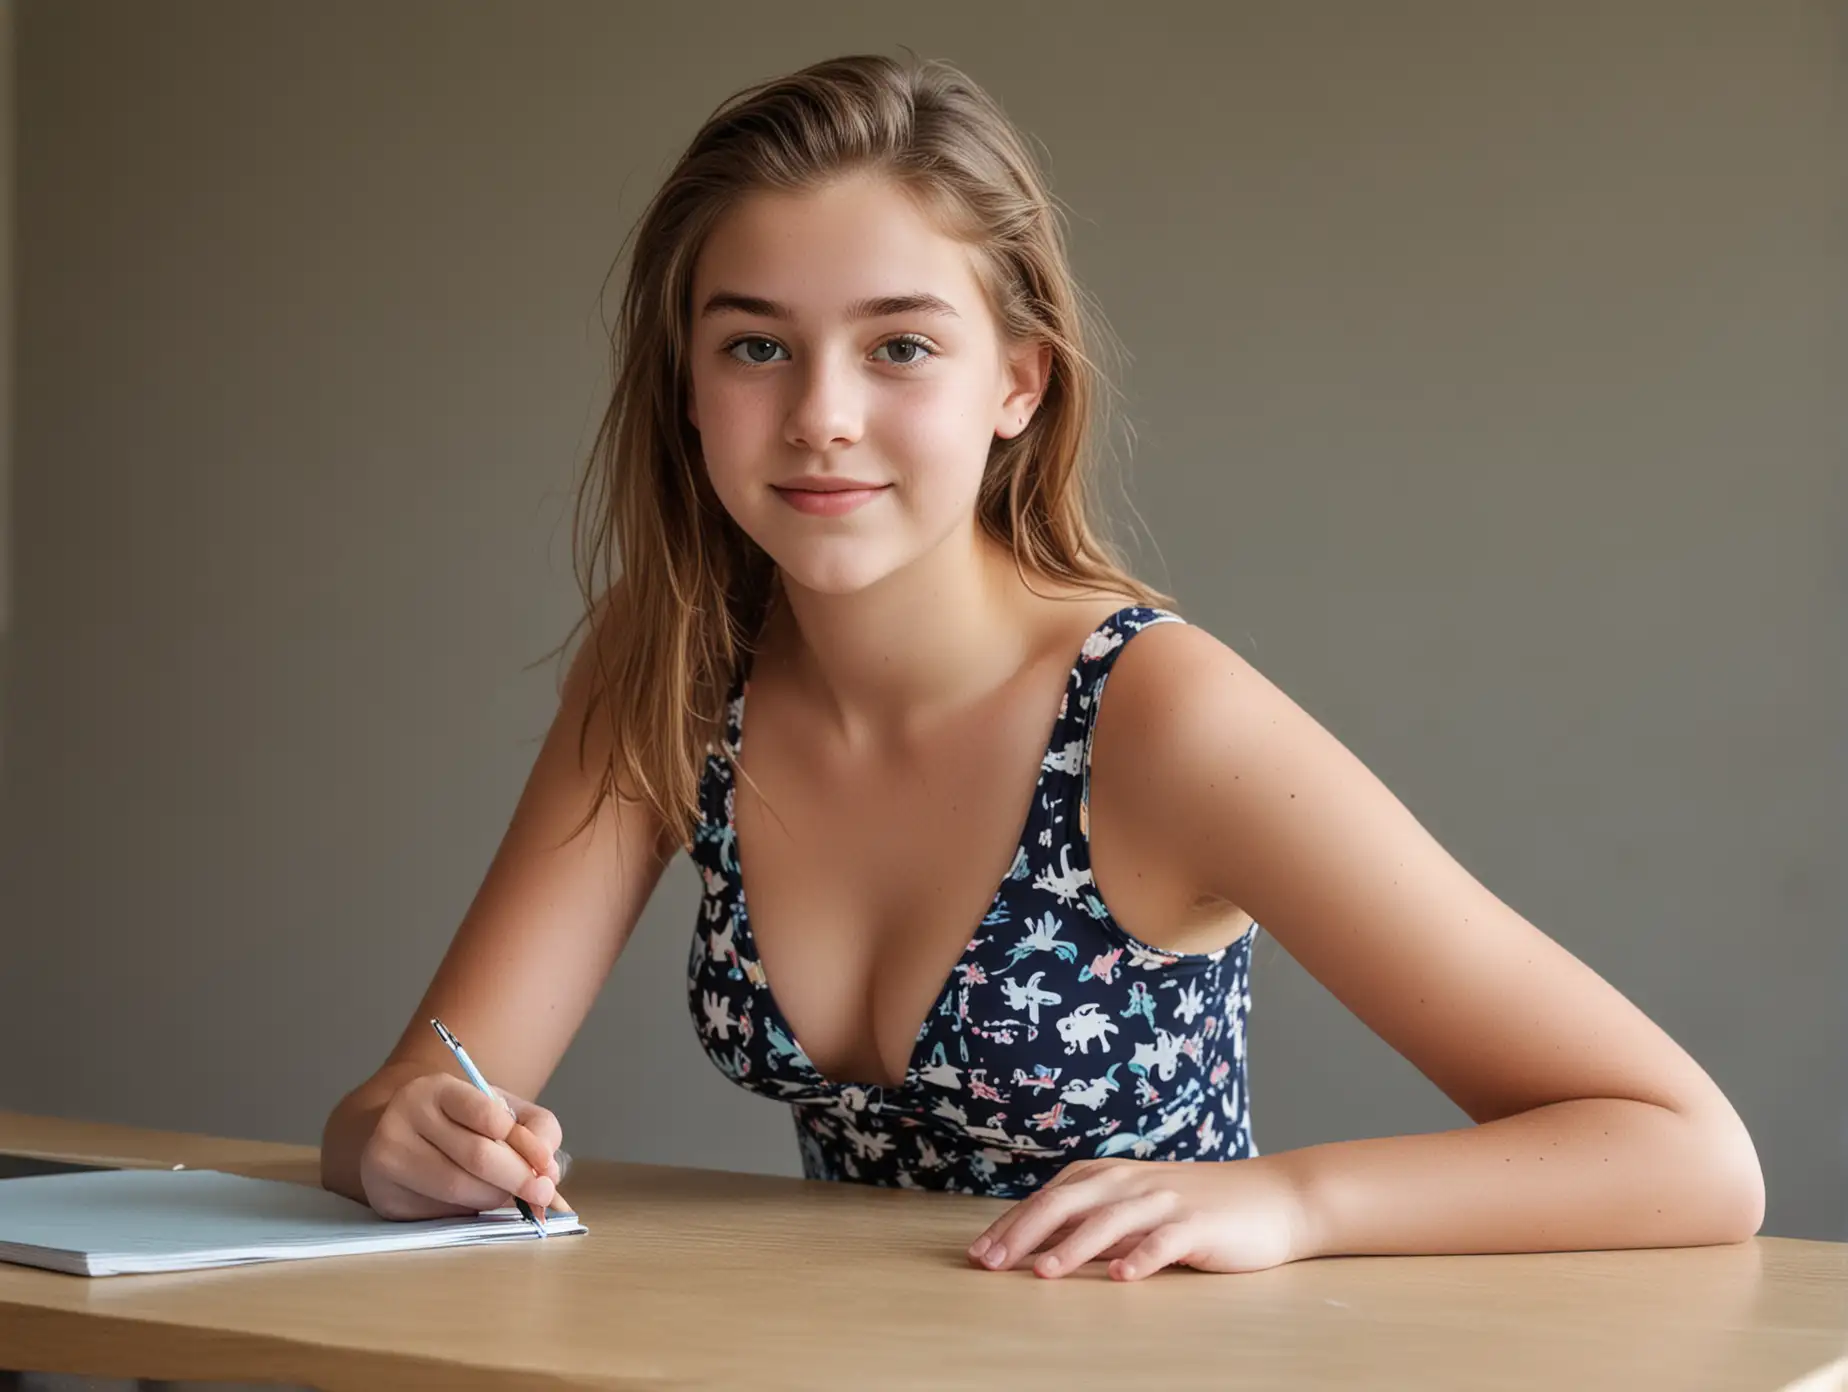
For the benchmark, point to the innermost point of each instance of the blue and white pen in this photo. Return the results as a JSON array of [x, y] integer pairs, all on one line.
[[474, 1076]]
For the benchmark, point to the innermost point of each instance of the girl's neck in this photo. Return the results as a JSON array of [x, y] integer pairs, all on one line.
[[884, 664]]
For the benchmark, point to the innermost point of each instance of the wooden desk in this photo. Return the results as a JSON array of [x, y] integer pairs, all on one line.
[[701, 1278]]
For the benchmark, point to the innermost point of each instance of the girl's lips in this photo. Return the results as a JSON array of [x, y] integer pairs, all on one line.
[[835, 503]]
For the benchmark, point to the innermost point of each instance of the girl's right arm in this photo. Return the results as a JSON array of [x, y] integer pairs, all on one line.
[[416, 1139]]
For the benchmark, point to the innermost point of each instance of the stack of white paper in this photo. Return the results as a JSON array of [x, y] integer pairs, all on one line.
[[118, 1222]]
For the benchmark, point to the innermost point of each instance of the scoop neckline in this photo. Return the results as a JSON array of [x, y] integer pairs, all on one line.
[[1081, 835]]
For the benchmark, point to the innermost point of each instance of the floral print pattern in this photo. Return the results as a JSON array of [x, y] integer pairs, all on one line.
[[1057, 1037]]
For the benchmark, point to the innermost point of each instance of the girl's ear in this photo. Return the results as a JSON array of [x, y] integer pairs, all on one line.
[[1029, 367]]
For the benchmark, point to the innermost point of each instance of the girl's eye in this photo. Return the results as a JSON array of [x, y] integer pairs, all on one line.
[[752, 360], [920, 350], [916, 350]]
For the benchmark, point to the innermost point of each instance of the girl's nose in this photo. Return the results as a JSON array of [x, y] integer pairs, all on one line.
[[829, 410]]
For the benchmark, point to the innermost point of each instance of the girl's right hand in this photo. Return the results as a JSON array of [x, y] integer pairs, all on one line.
[[443, 1147]]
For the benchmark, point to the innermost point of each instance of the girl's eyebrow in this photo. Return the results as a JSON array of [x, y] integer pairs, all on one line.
[[876, 307]]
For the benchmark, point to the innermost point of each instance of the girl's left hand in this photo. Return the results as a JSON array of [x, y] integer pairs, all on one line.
[[1213, 1215]]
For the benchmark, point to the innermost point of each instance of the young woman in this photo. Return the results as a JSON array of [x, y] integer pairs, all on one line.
[[983, 930]]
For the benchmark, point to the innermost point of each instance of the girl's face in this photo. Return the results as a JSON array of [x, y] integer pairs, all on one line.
[[848, 379]]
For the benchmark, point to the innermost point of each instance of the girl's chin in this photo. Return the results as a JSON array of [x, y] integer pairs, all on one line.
[[838, 574], [833, 580]]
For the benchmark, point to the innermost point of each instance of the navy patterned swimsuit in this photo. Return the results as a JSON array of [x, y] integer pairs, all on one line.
[[1057, 1037]]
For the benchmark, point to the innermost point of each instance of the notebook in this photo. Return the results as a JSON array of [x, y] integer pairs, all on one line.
[[122, 1222]]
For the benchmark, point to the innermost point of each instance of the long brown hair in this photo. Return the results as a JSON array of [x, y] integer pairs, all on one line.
[[669, 632]]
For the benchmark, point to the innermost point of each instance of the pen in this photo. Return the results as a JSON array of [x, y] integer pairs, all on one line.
[[474, 1076]]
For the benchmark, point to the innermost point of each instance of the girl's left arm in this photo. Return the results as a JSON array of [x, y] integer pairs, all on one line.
[[1593, 1128]]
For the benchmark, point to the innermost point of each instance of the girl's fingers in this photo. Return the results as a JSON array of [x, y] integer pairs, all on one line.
[[535, 1119], [391, 1196], [468, 1106], [1022, 1228], [1104, 1229], [997, 1231], [441, 1178], [536, 1135], [473, 1111], [535, 1152], [490, 1160], [1167, 1245]]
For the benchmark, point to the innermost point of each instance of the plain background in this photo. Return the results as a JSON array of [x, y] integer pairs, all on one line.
[[1486, 375]]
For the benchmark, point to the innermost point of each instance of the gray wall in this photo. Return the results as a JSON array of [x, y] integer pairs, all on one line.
[[6, 353], [1485, 373]]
